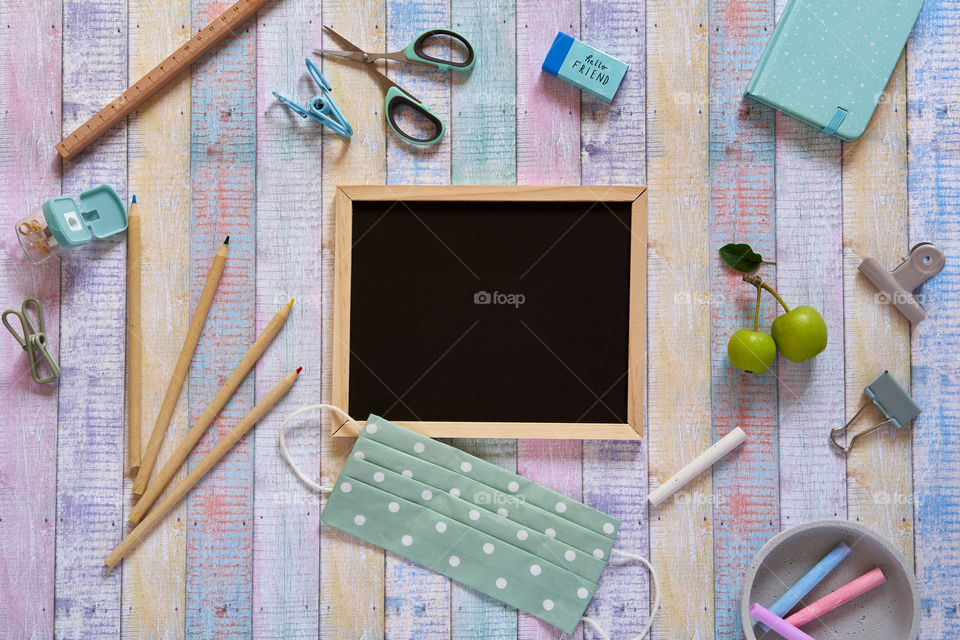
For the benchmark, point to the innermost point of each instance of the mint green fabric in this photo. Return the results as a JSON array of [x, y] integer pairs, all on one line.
[[485, 527], [826, 55]]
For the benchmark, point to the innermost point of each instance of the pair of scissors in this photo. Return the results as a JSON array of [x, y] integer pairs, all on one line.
[[33, 340], [396, 97]]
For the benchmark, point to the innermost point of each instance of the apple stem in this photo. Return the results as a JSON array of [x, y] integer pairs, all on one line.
[[758, 283], [779, 299], [756, 314]]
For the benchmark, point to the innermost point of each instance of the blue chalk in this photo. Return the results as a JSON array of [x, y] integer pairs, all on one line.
[[811, 579]]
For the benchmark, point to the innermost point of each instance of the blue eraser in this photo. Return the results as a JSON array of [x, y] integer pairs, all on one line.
[[583, 66]]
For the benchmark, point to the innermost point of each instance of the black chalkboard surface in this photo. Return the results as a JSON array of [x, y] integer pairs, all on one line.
[[490, 317]]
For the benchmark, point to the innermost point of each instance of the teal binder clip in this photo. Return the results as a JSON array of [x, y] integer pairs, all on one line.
[[60, 223], [33, 340], [321, 108]]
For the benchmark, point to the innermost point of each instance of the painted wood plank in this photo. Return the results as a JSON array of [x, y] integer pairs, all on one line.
[[90, 440], [548, 152], [612, 143], [158, 162], [484, 103], [417, 599], [483, 151], [809, 271], [678, 266], [29, 127], [877, 337], [351, 571], [742, 205], [286, 536], [548, 109], [219, 578], [934, 199]]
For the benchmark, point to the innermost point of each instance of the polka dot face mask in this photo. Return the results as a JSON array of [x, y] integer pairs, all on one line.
[[495, 531]]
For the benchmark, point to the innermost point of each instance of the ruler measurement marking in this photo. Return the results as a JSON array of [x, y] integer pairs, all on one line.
[[158, 77]]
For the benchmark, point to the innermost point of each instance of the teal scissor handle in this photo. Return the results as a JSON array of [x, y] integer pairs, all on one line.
[[415, 53], [396, 98]]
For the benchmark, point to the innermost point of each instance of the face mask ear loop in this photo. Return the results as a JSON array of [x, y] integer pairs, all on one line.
[[656, 600], [283, 445]]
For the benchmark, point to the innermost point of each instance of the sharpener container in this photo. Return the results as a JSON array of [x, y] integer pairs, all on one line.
[[60, 223]]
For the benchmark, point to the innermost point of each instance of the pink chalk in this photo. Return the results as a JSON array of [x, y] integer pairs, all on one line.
[[778, 624], [844, 594]]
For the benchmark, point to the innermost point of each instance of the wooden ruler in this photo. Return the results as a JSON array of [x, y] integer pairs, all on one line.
[[158, 77]]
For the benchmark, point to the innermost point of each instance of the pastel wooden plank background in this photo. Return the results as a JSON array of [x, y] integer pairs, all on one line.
[[743, 209], [678, 334], [347, 565], [809, 271], [933, 194], [216, 155], [158, 165], [286, 538], [90, 433], [30, 75], [219, 562], [612, 144]]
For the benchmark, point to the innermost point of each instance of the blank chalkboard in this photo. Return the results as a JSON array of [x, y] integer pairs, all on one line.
[[492, 312]]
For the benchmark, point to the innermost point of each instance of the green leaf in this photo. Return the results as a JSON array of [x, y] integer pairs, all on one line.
[[741, 257]]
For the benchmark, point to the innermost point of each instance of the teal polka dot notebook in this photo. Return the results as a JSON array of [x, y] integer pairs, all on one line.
[[828, 61]]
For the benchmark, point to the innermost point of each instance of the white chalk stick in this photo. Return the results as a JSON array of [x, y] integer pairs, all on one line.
[[701, 463]]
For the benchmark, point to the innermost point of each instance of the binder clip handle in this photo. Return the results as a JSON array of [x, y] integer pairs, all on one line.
[[834, 433]]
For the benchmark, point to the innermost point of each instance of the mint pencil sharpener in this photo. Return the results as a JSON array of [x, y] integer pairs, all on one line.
[[583, 66], [60, 223]]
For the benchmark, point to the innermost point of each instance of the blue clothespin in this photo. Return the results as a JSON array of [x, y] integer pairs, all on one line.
[[321, 108]]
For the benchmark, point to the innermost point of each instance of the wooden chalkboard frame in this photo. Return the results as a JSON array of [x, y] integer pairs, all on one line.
[[636, 380]]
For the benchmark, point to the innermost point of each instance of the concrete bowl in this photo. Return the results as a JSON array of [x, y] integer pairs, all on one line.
[[888, 612]]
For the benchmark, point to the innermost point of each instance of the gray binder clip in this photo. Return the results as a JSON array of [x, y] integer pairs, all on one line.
[[33, 340], [894, 403], [896, 287]]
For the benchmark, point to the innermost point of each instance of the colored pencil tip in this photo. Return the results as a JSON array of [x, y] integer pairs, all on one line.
[[134, 199], [227, 241], [299, 369], [290, 304]]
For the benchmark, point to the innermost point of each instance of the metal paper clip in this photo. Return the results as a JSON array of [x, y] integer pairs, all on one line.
[[34, 339], [894, 403], [321, 108]]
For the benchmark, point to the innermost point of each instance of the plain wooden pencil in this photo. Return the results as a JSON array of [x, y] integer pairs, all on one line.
[[218, 451], [165, 475], [180, 370], [134, 342]]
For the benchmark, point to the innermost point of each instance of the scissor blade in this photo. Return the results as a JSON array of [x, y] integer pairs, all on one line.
[[351, 55], [343, 42]]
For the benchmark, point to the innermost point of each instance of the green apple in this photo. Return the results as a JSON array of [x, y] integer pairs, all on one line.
[[800, 333], [752, 351]]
